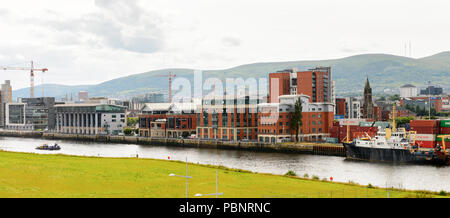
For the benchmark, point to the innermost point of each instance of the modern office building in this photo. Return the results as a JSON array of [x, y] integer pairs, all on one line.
[[432, 90], [90, 119], [15, 117], [40, 112]]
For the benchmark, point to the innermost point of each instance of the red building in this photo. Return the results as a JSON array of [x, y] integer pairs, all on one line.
[[180, 119], [234, 118], [274, 118], [340, 106], [279, 84], [315, 83]]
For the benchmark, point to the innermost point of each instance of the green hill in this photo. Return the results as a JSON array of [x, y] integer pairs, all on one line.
[[384, 72]]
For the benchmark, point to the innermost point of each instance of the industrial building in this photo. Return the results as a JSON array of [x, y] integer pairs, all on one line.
[[90, 119]]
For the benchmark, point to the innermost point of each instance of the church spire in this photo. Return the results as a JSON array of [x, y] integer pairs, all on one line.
[[367, 84]]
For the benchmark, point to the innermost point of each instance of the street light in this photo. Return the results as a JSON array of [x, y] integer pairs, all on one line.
[[187, 177], [216, 194]]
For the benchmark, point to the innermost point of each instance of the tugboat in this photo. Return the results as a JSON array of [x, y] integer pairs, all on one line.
[[392, 145], [50, 148]]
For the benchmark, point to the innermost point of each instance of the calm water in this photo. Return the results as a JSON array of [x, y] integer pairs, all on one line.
[[400, 176]]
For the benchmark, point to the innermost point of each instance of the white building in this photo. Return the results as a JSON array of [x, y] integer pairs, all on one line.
[[92, 119], [352, 108], [408, 91]]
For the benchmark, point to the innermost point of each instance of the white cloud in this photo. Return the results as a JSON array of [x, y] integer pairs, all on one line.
[[90, 41]]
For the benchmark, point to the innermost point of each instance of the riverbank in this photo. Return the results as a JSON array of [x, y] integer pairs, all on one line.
[[38, 175], [300, 148]]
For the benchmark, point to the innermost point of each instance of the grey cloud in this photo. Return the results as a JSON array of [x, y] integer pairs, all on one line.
[[231, 41], [120, 25]]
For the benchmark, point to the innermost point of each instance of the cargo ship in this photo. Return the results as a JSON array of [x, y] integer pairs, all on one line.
[[394, 145]]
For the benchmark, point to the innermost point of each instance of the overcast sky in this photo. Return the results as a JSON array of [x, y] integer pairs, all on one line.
[[91, 41]]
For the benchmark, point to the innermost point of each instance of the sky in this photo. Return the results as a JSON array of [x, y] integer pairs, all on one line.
[[92, 41]]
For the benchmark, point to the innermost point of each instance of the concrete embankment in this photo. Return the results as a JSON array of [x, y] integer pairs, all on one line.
[[304, 148]]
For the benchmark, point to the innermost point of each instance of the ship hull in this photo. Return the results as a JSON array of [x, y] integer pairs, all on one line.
[[381, 155]]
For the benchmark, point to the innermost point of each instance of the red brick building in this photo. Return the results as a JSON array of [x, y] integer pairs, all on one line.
[[232, 118], [274, 118], [340, 107], [315, 83], [180, 119]]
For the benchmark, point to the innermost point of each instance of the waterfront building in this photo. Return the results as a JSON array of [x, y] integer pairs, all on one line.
[[180, 119], [40, 112], [233, 117], [274, 120], [5, 97], [15, 117], [90, 119], [314, 82]]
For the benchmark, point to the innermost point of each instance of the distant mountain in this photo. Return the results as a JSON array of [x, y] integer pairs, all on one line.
[[384, 71]]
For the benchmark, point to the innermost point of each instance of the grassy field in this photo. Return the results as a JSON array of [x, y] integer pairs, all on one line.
[[33, 175]]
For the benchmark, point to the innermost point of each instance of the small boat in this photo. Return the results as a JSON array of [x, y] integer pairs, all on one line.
[[47, 147]]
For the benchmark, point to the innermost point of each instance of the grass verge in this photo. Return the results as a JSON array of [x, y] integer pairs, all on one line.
[[36, 176]]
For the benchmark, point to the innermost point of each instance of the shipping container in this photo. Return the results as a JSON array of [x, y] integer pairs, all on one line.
[[351, 122], [425, 130], [444, 130], [426, 144], [445, 123], [423, 123], [331, 140], [425, 137]]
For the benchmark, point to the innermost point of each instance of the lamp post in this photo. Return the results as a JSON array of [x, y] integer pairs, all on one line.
[[216, 194], [187, 177], [429, 100]]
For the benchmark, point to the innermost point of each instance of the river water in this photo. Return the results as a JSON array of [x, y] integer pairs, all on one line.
[[415, 177]]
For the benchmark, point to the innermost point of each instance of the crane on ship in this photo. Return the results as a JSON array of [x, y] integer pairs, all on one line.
[[32, 70]]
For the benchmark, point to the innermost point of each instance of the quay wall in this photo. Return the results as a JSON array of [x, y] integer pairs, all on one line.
[[302, 148]]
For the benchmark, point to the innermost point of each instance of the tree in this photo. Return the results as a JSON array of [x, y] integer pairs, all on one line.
[[132, 121], [127, 131], [296, 118]]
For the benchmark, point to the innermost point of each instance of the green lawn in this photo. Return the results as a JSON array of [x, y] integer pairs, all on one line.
[[33, 175]]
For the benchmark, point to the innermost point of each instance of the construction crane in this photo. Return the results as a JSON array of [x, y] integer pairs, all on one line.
[[32, 70], [170, 84]]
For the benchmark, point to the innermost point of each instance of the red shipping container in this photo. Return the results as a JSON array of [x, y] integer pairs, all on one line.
[[426, 144], [425, 130], [424, 123], [444, 130]]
